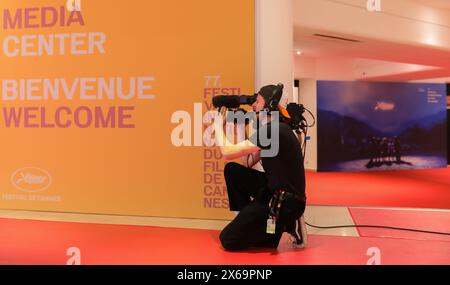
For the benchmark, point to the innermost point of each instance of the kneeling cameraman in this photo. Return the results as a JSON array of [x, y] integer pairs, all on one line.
[[270, 202]]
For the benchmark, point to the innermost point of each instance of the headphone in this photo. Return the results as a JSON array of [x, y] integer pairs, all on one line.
[[276, 97]]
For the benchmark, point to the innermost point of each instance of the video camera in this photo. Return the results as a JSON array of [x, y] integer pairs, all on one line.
[[292, 114], [233, 101]]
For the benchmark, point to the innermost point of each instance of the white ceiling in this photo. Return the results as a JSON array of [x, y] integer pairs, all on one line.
[[435, 60], [313, 46], [371, 51]]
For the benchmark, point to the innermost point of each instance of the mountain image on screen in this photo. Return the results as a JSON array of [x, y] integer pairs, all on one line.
[[381, 126]]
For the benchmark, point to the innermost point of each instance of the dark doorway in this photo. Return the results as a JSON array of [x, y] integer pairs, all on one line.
[[448, 125]]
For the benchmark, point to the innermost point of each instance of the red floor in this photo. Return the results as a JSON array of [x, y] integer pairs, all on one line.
[[40, 242], [405, 188], [423, 220]]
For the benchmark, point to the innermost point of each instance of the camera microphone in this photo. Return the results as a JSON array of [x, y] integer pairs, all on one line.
[[233, 101]]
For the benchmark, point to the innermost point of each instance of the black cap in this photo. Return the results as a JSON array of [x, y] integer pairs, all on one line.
[[272, 95]]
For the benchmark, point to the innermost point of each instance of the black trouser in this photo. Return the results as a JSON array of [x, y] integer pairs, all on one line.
[[248, 229]]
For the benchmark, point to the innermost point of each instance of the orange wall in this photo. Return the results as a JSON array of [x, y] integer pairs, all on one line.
[[126, 171]]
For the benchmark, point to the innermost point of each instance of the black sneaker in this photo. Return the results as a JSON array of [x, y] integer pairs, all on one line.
[[298, 234]]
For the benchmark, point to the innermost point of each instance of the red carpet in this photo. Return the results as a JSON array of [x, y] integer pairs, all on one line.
[[423, 220], [40, 242], [405, 188]]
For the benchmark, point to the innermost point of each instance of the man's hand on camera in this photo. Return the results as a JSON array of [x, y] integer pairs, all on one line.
[[223, 131]]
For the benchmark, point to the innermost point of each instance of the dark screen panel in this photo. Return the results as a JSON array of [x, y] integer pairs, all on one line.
[[448, 126]]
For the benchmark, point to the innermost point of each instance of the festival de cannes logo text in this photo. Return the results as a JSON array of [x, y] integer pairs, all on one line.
[[31, 179]]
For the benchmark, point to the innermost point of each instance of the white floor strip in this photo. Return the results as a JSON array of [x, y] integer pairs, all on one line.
[[329, 216]]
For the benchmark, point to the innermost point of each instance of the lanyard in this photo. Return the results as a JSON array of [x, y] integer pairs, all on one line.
[[275, 203]]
